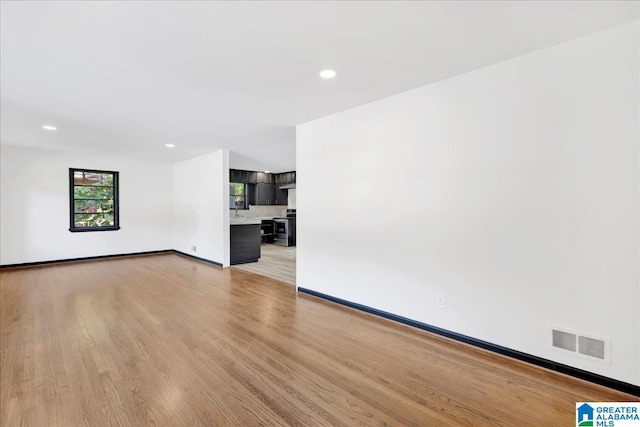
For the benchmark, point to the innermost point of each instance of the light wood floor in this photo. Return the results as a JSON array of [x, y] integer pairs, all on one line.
[[276, 262], [168, 341]]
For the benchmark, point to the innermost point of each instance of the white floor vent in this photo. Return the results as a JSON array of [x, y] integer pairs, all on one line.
[[582, 345]]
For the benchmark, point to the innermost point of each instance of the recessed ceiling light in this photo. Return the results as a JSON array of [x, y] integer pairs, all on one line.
[[169, 145], [267, 172], [327, 74], [47, 127]]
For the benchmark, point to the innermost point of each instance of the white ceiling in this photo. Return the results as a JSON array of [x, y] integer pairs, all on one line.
[[124, 78]]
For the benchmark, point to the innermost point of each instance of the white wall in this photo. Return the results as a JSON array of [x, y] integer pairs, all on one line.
[[34, 215], [200, 213], [291, 198], [34, 194], [513, 190]]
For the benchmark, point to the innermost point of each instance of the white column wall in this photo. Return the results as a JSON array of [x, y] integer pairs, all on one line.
[[200, 214]]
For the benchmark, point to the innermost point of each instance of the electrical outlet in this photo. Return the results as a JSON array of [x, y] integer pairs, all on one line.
[[441, 301], [193, 248]]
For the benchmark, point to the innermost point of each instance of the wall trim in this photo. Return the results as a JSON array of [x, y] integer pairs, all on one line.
[[82, 259], [208, 261], [104, 257], [535, 360]]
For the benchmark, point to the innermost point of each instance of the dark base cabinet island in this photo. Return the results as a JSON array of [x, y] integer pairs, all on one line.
[[245, 240]]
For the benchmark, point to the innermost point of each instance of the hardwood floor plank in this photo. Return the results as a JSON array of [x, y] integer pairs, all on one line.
[[165, 340]]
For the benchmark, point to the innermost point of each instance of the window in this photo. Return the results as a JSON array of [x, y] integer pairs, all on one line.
[[237, 195], [93, 199]]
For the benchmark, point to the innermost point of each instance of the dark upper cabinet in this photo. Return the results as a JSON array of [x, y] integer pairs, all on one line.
[[236, 175], [264, 178], [252, 177], [285, 178], [264, 188], [282, 196], [252, 194], [266, 194], [290, 177]]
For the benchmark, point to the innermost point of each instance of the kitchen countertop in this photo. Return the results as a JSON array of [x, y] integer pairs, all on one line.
[[252, 220], [245, 221]]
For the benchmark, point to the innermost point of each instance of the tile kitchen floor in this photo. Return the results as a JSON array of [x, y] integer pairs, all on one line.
[[276, 262]]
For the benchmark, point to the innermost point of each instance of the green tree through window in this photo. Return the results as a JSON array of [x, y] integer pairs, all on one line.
[[237, 195], [93, 197]]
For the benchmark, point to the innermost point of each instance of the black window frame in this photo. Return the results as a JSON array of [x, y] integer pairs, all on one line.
[[245, 196], [116, 201]]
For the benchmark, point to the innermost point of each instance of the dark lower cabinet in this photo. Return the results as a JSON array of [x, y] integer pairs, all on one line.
[[266, 230], [245, 243]]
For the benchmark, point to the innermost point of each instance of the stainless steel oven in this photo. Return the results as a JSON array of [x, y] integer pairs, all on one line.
[[284, 230]]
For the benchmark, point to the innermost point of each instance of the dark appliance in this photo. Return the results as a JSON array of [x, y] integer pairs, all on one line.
[[284, 229]]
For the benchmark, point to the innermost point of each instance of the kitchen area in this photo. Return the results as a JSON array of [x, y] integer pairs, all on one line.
[[263, 223]]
